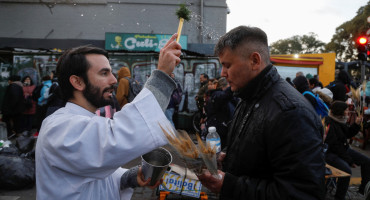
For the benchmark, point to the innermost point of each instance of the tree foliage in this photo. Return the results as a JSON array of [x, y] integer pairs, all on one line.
[[298, 45], [343, 42]]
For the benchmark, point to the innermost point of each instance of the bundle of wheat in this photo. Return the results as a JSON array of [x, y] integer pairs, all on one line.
[[195, 157], [356, 98]]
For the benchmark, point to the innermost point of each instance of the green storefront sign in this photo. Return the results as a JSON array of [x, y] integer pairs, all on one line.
[[139, 42]]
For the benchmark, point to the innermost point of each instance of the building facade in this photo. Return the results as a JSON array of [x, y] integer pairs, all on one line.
[[61, 24], [34, 33]]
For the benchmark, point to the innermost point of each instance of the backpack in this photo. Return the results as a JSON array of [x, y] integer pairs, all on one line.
[[134, 89], [321, 108], [36, 94]]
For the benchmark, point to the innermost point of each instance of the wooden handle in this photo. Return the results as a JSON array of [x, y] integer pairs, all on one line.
[[179, 29]]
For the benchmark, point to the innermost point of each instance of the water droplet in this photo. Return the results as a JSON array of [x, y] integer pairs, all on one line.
[[82, 15], [75, 4], [137, 23], [121, 24], [149, 25], [95, 15], [143, 10], [112, 9]]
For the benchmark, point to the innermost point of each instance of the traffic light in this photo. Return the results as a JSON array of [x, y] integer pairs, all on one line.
[[362, 48]]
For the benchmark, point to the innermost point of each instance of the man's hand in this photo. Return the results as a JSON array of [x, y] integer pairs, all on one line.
[[212, 183], [220, 158], [169, 56], [142, 182]]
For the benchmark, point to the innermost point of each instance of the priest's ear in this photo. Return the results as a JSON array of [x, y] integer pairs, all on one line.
[[77, 82]]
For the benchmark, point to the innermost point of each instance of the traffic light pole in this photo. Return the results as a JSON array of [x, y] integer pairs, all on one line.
[[363, 66]]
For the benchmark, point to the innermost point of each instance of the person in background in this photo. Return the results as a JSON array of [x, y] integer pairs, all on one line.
[[123, 86], [309, 76], [199, 98], [42, 101], [299, 74], [324, 93], [301, 84], [339, 153], [317, 78], [79, 154], [55, 99], [289, 80], [219, 107], [274, 143], [174, 101], [341, 86], [314, 85], [30, 111], [13, 105]]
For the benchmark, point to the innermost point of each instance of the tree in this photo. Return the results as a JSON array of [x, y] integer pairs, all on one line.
[[298, 45], [343, 42]]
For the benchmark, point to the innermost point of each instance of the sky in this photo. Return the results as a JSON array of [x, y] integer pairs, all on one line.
[[285, 18]]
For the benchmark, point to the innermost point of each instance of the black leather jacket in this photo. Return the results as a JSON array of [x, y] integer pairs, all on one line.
[[337, 136], [274, 148]]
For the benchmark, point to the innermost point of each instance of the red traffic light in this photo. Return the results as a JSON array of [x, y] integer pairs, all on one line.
[[362, 40]]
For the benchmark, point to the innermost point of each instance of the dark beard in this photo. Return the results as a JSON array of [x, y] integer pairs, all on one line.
[[93, 95]]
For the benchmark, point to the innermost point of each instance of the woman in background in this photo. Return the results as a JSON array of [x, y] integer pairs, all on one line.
[[29, 113]]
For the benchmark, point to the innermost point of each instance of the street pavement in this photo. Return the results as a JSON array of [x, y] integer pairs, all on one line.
[[148, 194]]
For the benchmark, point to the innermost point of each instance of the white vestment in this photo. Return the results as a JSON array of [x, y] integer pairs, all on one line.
[[79, 154]]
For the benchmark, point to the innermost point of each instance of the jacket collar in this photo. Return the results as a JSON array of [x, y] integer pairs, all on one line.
[[259, 84]]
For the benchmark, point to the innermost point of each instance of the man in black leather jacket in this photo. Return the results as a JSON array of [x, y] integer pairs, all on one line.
[[274, 146]]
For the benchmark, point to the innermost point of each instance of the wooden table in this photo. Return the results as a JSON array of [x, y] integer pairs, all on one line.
[[331, 180], [336, 173]]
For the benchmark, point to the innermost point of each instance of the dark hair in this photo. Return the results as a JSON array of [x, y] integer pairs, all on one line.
[[337, 108], [314, 81], [24, 78], [301, 84], [14, 78], [74, 62], [344, 77], [45, 78], [250, 39], [205, 76]]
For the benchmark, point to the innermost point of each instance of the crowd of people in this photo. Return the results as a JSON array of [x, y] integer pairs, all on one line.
[[26, 104], [274, 143]]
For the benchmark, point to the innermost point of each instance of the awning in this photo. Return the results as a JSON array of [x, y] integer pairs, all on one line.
[[300, 60]]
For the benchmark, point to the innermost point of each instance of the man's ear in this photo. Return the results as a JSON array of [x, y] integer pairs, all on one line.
[[77, 82], [256, 60]]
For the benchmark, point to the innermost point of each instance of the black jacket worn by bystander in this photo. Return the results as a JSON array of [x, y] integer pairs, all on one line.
[[274, 148]]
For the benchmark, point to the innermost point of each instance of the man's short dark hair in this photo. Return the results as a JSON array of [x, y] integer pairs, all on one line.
[[248, 39], [73, 62], [205, 75]]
